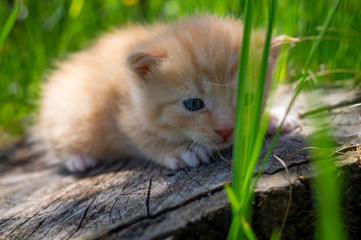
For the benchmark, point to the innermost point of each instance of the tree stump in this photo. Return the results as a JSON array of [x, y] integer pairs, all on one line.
[[137, 199]]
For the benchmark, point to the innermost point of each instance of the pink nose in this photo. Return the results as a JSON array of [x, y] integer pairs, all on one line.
[[225, 133]]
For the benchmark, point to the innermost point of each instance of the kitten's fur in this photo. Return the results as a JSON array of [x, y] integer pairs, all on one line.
[[124, 95]]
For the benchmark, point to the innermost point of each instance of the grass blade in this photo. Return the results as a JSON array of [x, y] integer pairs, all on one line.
[[251, 82], [9, 24], [262, 74], [232, 199], [233, 233], [247, 229], [238, 162], [326, 185]]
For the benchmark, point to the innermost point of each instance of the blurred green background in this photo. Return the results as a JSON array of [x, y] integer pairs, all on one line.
[[47, 30]]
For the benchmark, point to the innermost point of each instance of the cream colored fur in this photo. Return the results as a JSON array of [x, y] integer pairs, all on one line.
[[124, 95]]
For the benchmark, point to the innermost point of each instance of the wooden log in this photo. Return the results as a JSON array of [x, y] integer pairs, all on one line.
[[136, 199]]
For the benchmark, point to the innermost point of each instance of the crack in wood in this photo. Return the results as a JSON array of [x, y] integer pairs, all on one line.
[[96, 224], [193, 179], [153, 216], [133, 191], [42, 209], [21, 224], [148, 195], [120, 216], [37, 227], [51, 227], [126, 202], [111, 209], [60, 227], [83, 218], [143, 171], [166, 182]]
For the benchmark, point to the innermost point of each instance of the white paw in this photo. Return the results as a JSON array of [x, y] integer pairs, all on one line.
[[276, 116], [77, 163], [191, 157]]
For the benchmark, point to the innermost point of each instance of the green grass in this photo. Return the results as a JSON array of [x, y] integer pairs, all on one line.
[[48, 31], [9, 24], [326, 186], [248, 142]]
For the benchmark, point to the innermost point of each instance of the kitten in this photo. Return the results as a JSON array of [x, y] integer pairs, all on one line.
[[166, 92]]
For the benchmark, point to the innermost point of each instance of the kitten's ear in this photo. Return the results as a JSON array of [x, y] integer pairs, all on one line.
[[143, 62]]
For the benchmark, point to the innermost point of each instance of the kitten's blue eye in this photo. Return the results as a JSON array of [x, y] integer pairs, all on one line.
[[194, 104]]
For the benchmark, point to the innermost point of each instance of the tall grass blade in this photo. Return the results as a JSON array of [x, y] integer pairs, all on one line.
[[238, 162], [250, 92], [75, 8], [247, 229], [262, 74], [257, 133], [239, 159], [327, 184], [233, 233], [9, 24], [232, 199]]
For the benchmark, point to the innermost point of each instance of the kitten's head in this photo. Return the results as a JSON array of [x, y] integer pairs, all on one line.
[[188, 80]]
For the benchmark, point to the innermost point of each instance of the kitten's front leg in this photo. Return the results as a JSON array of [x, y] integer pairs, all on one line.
[[276, 116], [78, 163], [191, 156]]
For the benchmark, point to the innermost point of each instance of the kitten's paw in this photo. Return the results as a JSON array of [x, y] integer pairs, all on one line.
[[78, 163], [191, 157], [276, 116]]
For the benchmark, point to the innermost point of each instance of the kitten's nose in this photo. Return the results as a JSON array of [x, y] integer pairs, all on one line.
[[225, 133]]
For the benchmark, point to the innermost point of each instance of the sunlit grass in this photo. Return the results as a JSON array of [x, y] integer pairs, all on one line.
[[250, 127]]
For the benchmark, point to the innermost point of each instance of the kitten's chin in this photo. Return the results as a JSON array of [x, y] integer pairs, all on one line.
[[223, 145]]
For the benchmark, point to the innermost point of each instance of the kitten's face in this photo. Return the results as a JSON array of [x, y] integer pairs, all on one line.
[[190, 107], [188, 78]]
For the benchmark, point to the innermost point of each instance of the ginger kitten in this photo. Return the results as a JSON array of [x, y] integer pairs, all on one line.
[[166, 92]]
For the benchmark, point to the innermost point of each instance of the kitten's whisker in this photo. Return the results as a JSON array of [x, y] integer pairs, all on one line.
[[266, 142], [223, 158], [188, 144], [220, 84], [218, 151], [192, 146]]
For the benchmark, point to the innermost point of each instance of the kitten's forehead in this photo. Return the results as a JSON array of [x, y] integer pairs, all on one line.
[[222, 94], [212, 85], [204, 86], [206, 47], [202, 58], [216, 61]]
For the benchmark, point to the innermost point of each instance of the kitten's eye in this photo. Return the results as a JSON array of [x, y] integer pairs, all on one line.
[[194, 104]]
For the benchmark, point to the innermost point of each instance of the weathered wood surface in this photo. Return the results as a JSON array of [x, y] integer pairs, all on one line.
[[136, 199]]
